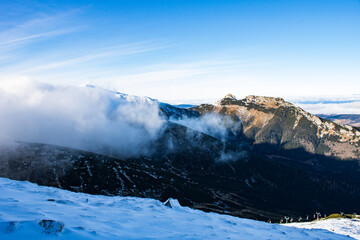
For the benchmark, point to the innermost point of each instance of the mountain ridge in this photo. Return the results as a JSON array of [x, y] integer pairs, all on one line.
[[273, 120], [259, 179]]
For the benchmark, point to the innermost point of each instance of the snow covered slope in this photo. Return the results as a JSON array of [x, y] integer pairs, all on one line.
[[350, 227], [29, 211]]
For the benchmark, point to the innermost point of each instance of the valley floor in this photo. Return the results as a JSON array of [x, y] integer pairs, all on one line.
[[29, 211]]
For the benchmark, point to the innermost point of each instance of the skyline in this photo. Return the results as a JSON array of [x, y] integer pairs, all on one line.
[[175, 50]]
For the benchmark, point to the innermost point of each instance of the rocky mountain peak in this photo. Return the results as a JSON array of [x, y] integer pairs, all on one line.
[[267, 102], [229, 96], [263, 99], [228, 99]]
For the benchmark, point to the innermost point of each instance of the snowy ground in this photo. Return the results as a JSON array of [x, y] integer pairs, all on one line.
[[350, 227], [28, 211]]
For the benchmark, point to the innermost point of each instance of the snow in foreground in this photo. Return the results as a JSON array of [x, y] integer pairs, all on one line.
[[343, 226], [28, 211]]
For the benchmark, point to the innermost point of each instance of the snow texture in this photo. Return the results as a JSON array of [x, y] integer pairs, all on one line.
[[350, 227], [29, 211]]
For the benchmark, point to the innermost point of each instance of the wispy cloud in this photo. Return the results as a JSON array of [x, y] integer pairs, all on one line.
[[35, 29], [96, 54], [35, 36], [61, 59], [175, 71]]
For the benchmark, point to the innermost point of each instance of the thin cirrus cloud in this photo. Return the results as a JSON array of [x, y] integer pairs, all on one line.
[[22, 39], [167, 80], [120, 50], [35, 29], [166, 72], [76, 63]]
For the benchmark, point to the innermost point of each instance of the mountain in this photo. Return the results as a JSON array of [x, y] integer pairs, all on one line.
[[173, 112], [28, 211], [242, 170], [275, 126], [344, 119]]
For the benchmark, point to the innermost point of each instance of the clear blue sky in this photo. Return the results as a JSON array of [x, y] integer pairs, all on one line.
[[173, 50]]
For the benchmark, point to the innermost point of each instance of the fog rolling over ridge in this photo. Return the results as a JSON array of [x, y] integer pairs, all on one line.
[[217, 126], [221, 127], [97, 120], [86, 118]]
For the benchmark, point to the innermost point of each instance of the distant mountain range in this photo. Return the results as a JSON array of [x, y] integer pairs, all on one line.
[[270, 159], [343, 119]]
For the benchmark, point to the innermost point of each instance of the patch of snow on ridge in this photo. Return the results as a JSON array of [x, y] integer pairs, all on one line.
[[126, 97], [29, 211]]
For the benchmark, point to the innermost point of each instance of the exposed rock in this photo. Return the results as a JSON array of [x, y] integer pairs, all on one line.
[[228, 97], [51, 227], [172, 203]]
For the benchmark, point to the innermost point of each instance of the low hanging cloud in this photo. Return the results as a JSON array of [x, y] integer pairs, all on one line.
[[329, 105], [98, 120], [333, 108], [86, 118], [215, 125], [223, 128]]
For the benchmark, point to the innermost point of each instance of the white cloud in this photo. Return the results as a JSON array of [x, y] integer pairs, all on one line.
[[35, 29], [330, 104], [80, 117], [96, 54]]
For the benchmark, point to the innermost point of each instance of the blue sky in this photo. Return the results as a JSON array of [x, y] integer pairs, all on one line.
[[176, 50]]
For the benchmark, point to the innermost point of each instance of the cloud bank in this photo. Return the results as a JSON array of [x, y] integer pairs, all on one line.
[[98, 120], [333, 108], [330, 104], [86, 118]]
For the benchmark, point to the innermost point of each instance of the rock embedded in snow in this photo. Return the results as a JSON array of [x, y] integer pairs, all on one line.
[[172, 203], [51, 226]]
